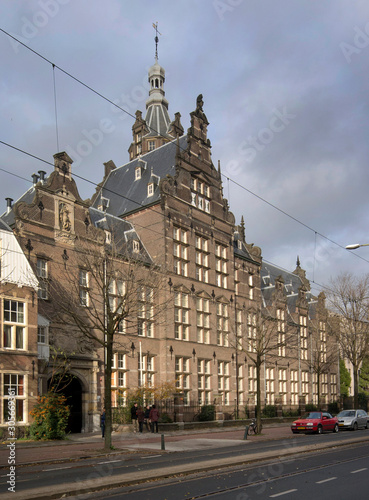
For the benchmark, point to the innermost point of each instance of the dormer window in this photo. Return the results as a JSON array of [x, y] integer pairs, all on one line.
[[107, 237], [150, 189], [136, 246], [138, 173], [104, 204]]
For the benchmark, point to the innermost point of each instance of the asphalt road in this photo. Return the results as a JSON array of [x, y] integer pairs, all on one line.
[[102, 472], [340, 474]]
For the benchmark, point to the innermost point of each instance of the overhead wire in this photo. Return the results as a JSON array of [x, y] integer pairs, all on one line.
[[230, 180]]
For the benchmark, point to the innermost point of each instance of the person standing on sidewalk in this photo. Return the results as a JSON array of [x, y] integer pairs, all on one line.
[[134, 417], [147, 417], [140, 418], [154, 417], [102, 422]]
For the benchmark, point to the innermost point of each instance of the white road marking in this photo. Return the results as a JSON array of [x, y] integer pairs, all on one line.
[[326, 480], [108, 462], [151, 456], [282, 493], [358, 470], [57, 468]]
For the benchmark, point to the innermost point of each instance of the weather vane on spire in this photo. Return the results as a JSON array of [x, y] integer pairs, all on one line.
[[155, 26]]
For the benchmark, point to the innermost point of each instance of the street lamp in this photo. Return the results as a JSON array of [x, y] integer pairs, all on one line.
[[356, 245]]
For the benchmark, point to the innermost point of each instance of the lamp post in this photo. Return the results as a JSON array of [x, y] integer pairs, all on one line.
[[356, 245]]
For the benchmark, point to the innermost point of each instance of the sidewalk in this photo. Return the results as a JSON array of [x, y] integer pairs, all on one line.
[[79, 446]]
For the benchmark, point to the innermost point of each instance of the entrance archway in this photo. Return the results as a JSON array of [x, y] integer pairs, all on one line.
[[71, 387]]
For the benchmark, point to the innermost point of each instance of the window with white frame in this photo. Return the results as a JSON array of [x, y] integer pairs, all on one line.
[[221, 265], [251, 332], [150, 189], [333, 381], [305, 382], [145, 314], [146, 370], [118, 378], [14, 387], [294, 387], [323, 342], [180, 251], [182, 375], [138, 172], [239, 322], [224, 381], [200, 195], [251, 287], [252, 379], [303, 338], [204, 381], [203, 320], [42, 275], [14, 324], [83, 288], [269, 385], [117, 292], [151, 145], [282, 384], [202, 259], [324, 383], [281, 325], [181, 316], [222, 324]]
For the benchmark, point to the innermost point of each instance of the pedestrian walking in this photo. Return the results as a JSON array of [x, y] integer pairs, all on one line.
[[134, 417], [102, 422], [140, 419], [154, 417], [147, 417]]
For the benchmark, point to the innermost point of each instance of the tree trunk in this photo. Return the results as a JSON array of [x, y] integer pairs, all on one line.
[[107, 382], [258, 394], [356, 386]]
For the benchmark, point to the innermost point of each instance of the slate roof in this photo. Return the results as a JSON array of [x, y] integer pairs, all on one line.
[[123, 235], [26, 197], [268, 275], [240, 249], [125, 194], [158, 121]]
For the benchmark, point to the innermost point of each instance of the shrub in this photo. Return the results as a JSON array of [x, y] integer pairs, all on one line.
[[310, 407], [165, 419], [270, 411], [333, 408], [207, 413], [50, 417]]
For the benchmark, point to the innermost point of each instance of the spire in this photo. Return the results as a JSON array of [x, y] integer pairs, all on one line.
[[155, 26]]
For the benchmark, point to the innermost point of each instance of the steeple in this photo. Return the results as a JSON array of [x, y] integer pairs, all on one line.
[[156, 129]]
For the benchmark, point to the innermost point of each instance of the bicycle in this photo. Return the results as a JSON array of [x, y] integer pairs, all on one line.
[[253, 428]]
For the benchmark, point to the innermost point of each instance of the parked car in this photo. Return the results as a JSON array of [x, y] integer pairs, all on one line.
[[353, 419], [315, 421]]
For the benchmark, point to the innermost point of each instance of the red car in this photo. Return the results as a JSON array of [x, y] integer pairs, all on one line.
[[315, 421]]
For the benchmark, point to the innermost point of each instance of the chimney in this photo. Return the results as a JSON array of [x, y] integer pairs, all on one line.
[[35, 179], [42, 175], [9, 202]]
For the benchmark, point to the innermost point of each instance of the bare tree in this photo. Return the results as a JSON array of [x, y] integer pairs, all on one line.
[[322, 354], [105, 296], [349, 299], [267, 335]]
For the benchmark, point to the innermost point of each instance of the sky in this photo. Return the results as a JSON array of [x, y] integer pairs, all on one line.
[[285, 88]]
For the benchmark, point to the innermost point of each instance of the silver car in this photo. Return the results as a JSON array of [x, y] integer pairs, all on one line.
[[353, 419]]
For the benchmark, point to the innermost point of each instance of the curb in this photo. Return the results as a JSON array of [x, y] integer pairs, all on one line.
[[109, 482]]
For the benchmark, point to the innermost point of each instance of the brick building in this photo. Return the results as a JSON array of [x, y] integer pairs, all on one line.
[[167, 205], [18, 320]]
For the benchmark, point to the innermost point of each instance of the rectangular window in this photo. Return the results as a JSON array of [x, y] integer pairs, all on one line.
[[14, 324], [13, 385], [83, 288], [42, 274]]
